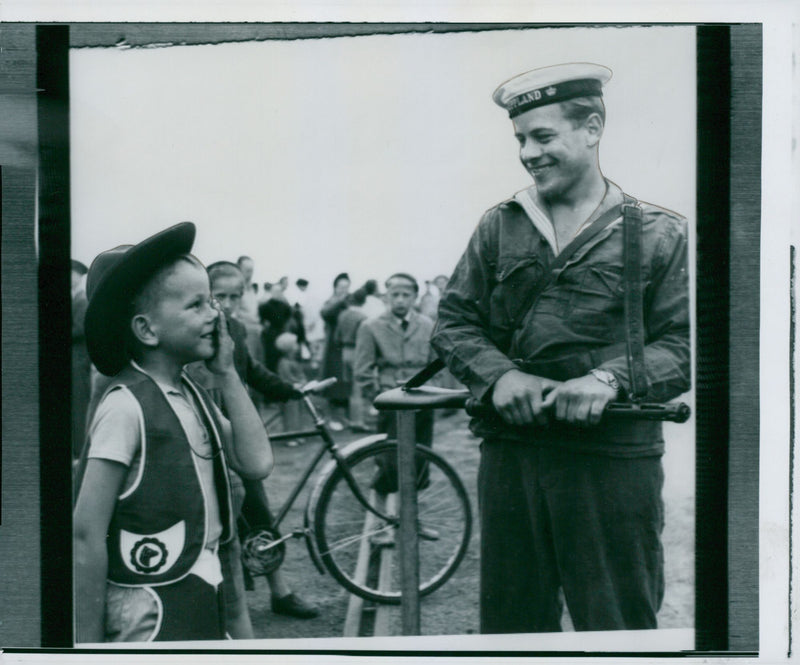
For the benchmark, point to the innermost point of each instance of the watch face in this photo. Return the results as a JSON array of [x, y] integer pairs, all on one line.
[[606, 377]]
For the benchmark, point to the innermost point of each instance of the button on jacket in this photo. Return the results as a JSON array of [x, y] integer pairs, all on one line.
[[578, 321]]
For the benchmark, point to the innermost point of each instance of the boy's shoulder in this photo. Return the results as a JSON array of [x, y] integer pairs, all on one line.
[[119, 402], [115, 429], [381, 321], [424, 320], [102, 384]]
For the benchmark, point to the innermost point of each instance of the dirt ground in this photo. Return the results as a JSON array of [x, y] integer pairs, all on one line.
[[453, 609]]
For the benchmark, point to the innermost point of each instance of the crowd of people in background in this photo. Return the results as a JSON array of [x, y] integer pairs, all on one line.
[[301, 335]]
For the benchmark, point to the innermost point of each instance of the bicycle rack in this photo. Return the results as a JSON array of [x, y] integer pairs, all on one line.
[[405, 403]]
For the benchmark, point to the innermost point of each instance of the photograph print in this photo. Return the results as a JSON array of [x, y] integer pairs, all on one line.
[[251, 218]]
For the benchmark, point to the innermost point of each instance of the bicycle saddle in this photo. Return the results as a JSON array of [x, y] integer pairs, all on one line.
[[424, 397]]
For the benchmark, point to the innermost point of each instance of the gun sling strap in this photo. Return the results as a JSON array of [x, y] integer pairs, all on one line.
[[634, 315], [634, 307]]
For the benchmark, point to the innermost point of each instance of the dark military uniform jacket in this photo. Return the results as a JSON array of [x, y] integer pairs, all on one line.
[[575, 324]]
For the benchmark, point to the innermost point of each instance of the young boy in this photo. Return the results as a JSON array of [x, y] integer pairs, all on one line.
[[390, 349], [291, 371], [227, 287], [154, 501], [289, 368], [345, 336]]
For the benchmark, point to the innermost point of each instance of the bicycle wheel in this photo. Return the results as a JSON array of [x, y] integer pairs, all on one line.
[[357, 547]]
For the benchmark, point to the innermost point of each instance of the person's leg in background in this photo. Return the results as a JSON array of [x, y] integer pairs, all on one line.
[[356, 402], [237, 615], [386, 481], [257, 514]]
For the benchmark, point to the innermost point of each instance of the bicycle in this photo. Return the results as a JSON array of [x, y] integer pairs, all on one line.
[[347, 522]]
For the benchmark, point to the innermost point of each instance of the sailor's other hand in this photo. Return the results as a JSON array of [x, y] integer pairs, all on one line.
[[519, 397], [581, 401]]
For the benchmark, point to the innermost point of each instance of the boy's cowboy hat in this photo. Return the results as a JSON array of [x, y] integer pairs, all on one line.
[[114, 278]]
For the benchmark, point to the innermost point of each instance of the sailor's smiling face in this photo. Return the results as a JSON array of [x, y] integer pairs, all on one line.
[[555, 150]]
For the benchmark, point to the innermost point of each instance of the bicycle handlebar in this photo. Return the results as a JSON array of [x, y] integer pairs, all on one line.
[[318, 386]]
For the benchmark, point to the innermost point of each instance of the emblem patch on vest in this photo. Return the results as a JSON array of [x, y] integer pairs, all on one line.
[[150, 554]]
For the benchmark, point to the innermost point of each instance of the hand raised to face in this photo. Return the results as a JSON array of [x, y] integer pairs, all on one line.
[[222, 360]]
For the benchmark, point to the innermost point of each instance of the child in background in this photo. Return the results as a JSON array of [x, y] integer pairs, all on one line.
[[345, 336], [249, 498], [291, 371], [154, 501]]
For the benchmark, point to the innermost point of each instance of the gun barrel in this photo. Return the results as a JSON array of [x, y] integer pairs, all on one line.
[[677, 412]]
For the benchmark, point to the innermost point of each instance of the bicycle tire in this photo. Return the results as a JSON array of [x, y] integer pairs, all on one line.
[[343, 536]]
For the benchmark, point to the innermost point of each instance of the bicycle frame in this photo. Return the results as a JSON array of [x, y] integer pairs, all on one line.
[[329, 446]]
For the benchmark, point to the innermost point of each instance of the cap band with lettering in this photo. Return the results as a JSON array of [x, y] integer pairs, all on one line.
[[553, 94]]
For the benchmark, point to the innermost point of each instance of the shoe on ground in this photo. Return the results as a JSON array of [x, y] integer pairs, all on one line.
[[292, 443], [336, 426], [294, 606]]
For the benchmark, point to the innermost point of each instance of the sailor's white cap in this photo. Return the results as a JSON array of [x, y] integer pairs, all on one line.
[[549, 85]]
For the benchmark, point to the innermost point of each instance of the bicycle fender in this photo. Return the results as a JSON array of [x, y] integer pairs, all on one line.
[[313, 496]]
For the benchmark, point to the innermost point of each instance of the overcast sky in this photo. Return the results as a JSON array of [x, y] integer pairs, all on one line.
[[365, 154]]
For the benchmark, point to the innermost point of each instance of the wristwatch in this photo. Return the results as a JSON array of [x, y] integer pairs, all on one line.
[[604, 376]]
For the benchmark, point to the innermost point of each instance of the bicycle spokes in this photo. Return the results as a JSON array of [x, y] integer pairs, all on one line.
[[352, 540]]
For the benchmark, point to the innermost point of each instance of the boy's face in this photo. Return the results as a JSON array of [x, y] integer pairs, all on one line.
[[228, 290], [247, 267], [401, 296], [341, 288], [182, 317]]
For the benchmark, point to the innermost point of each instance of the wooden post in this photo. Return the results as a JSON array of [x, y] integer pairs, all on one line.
[[408, 551]]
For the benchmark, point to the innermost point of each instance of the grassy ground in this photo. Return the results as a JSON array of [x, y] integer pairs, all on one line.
[[453, 609]]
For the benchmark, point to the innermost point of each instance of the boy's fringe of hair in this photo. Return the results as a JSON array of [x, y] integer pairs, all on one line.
[[223, 269]]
